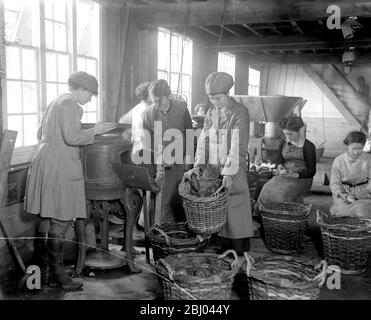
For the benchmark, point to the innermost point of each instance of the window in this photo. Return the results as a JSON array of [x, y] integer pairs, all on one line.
[[175, 62], [254, 82], [46, 40], [227, 63]]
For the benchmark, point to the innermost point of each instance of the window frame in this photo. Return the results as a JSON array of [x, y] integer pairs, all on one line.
[[222, 67], [23, 154], [182, 40]]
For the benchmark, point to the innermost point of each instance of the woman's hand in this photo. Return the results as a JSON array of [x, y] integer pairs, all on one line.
[[227, 182], [348, 199], [103, 127]]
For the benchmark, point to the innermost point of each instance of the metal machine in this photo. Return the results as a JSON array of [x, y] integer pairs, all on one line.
[[265, 113], [105, 193]]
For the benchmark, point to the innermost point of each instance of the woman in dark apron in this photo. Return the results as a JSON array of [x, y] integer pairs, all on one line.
[[296, 165]]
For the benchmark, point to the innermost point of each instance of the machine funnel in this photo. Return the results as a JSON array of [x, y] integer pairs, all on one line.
[[268, 108]]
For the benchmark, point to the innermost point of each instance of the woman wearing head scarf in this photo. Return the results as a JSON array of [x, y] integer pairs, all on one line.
[[165, 117], [296, 165], [350, 179], [55, 186], [222, 150]]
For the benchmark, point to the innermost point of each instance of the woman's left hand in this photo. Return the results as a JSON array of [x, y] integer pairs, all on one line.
[[227, 182]]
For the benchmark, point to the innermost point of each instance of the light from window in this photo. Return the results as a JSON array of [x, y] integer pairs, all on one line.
[[26, 95], [175, 62], [227, 63], [254, 82]]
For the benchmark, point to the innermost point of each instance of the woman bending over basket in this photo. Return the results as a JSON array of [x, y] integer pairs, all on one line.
[[296, 165], [227, 119], [350, 176]]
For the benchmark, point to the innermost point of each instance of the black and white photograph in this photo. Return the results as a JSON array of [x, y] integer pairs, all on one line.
[[188, 156]]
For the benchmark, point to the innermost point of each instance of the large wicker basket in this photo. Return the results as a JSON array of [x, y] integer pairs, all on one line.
[[179, 281], [205, 215], [284, 278], [346, 241], [172, 238], [284, 225]]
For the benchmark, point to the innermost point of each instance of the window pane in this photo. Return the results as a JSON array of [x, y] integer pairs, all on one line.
[[62, 88], [14, 5], [175, 63], [91, 67], [60, 37], [13, 70], [163, 50], [48, 9], [30, 129], [187, 62], [51, 92], [29, 64], [14, 97], [21, 21], [81, 64], [15, 123], [91, 117], [87, 16], [49, 34], [63, 68], [51, 67], [174, 82], [92, 106], [175, 44], [163, 75], [60, 10], [186, 83], [30, 104]]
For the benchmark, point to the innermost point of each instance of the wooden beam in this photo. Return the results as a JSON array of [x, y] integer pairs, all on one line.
[[276, 43], [296, 26], [232, 31], [254, 11], [208, 31], [252, 30], [303, 58]]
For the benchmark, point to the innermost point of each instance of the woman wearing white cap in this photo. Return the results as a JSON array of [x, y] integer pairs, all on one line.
[[55, 186], [228, 120]]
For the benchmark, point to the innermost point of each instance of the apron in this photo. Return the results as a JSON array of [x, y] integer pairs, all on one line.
[[281, 189], [359, 208]]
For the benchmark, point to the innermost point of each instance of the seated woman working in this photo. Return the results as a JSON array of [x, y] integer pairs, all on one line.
[[296, 165], [350, 176]]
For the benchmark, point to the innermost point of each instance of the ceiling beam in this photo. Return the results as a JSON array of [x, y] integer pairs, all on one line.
[[296, 42], [212, 12], [302, 58], [252, 30], [231, 31], [208, 31], [296, 26]]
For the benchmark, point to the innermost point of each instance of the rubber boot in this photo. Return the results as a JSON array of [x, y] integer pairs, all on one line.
[[41, 250], [57, 273]]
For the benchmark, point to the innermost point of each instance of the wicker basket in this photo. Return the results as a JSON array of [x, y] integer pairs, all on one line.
[[346, 241], [284, 225], [172, 238], [284, 278], [205, 215], [180, 283]]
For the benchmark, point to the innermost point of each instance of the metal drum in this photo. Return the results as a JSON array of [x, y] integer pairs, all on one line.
[[101, 181]]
